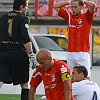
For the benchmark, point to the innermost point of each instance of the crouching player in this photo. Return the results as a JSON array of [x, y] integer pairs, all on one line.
[[55, 76]]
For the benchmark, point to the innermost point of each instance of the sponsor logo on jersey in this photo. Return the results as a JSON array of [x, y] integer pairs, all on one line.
[[79, 25], [75, 26], [27, 26], [63, 69], [50, 86]]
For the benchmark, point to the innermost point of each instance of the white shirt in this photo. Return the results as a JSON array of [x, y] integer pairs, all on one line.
[[85, 90]]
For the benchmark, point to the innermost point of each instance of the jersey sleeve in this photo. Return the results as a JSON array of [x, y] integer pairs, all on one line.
[[24, 30], [89, 16], [64, 71], [36, 78], [64, 14]]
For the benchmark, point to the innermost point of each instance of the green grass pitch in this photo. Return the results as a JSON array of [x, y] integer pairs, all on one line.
[[14, 97]]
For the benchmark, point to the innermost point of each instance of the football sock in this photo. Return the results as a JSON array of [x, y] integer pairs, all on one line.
[[24, 94]]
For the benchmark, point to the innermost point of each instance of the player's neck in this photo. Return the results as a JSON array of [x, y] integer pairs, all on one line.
[[18, 11], [79, 14]]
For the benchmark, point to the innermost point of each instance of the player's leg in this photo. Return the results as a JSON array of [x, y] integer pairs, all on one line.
[[83, 59], [24, 91], [71, 62], [1, 83], [43, 98], [20, 73]]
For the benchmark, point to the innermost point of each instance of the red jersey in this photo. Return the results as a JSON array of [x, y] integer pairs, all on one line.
[[78, 30], [53, 84]]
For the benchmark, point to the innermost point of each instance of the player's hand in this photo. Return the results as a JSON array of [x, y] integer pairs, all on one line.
[[82, 2], [33, 60]]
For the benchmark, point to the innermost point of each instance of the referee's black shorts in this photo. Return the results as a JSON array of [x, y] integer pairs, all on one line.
[[14, 68]]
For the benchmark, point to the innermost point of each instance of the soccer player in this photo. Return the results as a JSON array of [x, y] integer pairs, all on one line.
[[55, 76], [79, 25], [83, 89], [14, 47]]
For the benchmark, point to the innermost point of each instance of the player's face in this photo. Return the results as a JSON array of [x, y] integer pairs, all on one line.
[[76, 8], [75, 75], [25, 9], [45, 64]]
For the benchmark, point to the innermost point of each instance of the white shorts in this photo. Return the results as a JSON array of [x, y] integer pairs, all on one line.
[[78, 59]]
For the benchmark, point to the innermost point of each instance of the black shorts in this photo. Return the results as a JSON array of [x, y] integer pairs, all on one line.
[[14, 68]]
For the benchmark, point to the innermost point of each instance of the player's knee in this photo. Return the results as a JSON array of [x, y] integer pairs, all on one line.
[[1, 83], [24, 85]]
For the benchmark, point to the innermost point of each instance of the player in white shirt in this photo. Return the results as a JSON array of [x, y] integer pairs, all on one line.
[[83, 89]]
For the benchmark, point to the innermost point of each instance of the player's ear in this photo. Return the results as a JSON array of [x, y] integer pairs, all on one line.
[[21, 7], [49, 59], [81, 75]]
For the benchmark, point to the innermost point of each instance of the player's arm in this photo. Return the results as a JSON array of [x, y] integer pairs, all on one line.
[[58, 5], [25, 36], [34, 82], [67, 87], [26, 40], [90, 4], [28, 47], [32, 92]]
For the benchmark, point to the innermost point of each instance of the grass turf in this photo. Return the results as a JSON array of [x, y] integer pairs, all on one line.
[[14, 97]]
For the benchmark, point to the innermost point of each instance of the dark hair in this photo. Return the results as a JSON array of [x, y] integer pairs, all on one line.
[[82, 69], [79, 1], [18, 3]]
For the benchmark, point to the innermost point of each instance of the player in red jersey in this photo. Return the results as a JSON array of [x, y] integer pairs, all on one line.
[[55, 76], [79, 25]]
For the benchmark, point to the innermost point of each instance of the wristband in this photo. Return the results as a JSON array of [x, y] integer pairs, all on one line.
[[30, 52]]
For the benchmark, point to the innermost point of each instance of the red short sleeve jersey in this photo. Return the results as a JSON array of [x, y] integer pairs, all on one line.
[[53, 85], [36, 77], [78, 30]]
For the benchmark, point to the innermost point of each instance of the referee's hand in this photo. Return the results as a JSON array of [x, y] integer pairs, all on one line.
[[33, 60]]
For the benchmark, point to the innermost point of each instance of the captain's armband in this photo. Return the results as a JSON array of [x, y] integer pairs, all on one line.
[[65, 76]]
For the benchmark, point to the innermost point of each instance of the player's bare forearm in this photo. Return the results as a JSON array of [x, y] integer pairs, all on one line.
[[67, 90], [32, 92], [90, 4], [58, 5], [28, 47]]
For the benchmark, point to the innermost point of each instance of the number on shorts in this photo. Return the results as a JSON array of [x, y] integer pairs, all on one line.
[[10, 21], [94, 96]]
